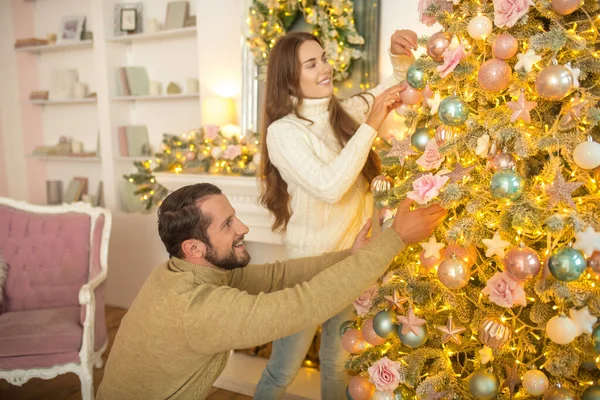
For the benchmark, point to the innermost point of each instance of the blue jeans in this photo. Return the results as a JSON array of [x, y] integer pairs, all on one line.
[[289, 352]]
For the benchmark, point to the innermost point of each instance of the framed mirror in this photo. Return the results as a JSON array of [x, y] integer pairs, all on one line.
[[362, 74]]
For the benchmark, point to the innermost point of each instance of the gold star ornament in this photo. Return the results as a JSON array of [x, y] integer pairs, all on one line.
[[521, 108], [401, 149], [397, 300], [560, 190], [451, 331]]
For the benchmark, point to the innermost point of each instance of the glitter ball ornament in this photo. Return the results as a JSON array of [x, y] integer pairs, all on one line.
[[420, 138], [522, 263], [494, 75], [411, 339], [370, 335], [353, 341], [480, 27], [411, 96], [567, 264], [596, 339], [557, 393], [346, 325], [443, 133], [561, 329], [591, 393], [360, 388], [416, 77], [535, 382], [593, 262], [381, 183], [454, 273], [484, 385], [565, 7], [505, 46], [507, 185], [437, 45], [587, 154], [384, 323], [494, 333], [453, 111], [503, 161], [554, 82]]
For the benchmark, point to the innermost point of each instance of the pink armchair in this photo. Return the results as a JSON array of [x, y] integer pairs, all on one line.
[[52, 315]]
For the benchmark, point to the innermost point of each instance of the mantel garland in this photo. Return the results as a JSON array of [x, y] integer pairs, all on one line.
[[332, 21]]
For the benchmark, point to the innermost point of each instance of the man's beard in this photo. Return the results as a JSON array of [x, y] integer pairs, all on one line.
[[230, 261]]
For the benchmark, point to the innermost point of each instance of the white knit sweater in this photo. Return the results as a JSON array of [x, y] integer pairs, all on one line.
[[330, 200]]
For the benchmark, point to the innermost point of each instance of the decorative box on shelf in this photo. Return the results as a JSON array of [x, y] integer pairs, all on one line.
[[243, 193]]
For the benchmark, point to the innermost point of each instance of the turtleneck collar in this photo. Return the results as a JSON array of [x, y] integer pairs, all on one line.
[[206, 274], [313, 107]]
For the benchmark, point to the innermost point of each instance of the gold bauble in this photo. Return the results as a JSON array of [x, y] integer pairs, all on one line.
[[494, 333]]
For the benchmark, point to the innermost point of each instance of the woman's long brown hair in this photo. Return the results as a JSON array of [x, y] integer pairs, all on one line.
[[283, 82]]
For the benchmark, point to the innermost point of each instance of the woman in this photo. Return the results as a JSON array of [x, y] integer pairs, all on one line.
[[317, 164]]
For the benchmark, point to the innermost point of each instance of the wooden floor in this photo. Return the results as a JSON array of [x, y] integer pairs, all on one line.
[[66, 387]]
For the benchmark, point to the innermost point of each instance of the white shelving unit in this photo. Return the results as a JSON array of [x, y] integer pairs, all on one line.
[[168, 56]]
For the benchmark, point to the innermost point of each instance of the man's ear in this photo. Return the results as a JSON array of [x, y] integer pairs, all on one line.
[[193, 248]]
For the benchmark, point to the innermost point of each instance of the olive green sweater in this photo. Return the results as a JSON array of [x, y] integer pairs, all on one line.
[[175, 339]]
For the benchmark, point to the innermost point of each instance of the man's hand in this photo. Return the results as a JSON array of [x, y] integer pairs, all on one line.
[[414, 226], [361, 239], [403, 41]]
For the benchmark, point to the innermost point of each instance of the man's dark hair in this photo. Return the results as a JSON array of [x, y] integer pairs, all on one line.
[[180, 217]]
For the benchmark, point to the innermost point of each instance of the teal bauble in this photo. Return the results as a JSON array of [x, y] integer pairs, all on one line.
[[402, 393], [420, 138], [348, 396], [484, 385], [416, 77], [596, 339], [346, 325], [591, 393], [453, 111], [410, 339], [566, 264], [507, 185], [384, 323]]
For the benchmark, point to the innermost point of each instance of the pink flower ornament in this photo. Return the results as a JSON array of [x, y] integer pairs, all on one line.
[[363, 304], [431, 158], [426, 188], [505, 291], [452, 56], [508, 12], [384, 374], [211, 132], [232, 151]]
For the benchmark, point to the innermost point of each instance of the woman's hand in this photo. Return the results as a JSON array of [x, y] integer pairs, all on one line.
[[403, 41], [383, 104]]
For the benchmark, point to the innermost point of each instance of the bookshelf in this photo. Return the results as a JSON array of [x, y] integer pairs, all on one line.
[[179, 96], [155, 36], [62, 102], [71, 159], [83, 44]]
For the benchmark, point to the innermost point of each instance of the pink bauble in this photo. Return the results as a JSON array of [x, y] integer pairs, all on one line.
[[494, 75], [360, 388], [353, 341], [190, 156], [369, 334], [443, 133], [411, 96], [505, 46], [593, 262], [468, 254], [437, 45], [522, 263], [565, 7], [404, 109], [428, 263]]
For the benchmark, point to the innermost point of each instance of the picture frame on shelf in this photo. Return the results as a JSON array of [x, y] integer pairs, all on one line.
[[177, 13], [128, 19], [126, 10], [62, 84], [71, 28]]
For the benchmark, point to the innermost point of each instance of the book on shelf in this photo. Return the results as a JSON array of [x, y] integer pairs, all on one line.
[[28, 42], [99, 198], [74, 191], [133, 141], [132, 81], [38, 95], [83, 181]]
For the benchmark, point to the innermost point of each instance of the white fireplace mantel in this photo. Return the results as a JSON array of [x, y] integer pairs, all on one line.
[[242, 192]]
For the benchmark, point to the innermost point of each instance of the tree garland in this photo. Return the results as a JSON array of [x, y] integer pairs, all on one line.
[[332, 21]]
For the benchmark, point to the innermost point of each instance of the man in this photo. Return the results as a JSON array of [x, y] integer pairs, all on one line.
[[175, 340]]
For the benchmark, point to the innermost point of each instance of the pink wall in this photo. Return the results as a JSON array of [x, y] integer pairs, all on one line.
[[3, 182], [27, 75]]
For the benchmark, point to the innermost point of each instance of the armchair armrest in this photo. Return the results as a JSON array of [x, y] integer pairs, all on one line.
[[87, 291]]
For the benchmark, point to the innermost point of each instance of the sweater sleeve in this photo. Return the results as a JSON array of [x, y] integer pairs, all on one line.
[[359, 106], [292, 154], [280, 275], [218, 319]]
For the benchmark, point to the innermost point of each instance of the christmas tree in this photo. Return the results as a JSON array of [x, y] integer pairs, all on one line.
[[503, 300]]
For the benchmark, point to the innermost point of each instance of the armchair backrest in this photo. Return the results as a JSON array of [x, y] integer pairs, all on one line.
[[51, 252]]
